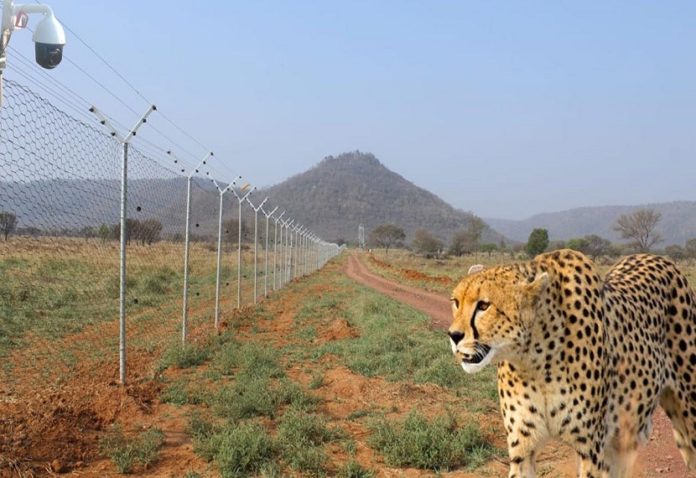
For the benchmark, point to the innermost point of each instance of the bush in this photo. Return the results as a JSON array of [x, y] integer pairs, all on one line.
[[127, 453], [353, 469], [436, 444], [243, 449], [190, 355], [301, 437]]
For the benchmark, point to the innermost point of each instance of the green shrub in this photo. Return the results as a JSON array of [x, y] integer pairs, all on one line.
[[436, 444], [252, 396], [243, 450], [353, 469], [178, 393], [190, 355], [301, 437], [249, 360], [127, 453]]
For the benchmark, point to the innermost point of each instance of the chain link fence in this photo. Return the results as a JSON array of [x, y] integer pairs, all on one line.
[[60, 242]]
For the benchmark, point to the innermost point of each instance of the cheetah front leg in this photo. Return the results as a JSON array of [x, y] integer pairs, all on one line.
[[522, 451]]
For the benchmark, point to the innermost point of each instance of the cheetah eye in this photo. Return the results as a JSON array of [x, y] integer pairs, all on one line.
[[455, 301], [482, 305]]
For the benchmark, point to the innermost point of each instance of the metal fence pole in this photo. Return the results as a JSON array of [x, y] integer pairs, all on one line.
[[219, 251], [187, 239], [275, 248], [256, 243], [239, 255], [217, 269], [265, 251], [124, 231], [122, 268], [240, 200], [186, 259], [275, 251], [265, 265]]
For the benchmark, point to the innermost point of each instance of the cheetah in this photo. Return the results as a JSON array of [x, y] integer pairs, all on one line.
[[582, 359]]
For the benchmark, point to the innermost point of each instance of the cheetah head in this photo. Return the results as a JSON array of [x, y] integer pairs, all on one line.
[[493, 311]]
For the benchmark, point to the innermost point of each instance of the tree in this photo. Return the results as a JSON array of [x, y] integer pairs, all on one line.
[[690, 248], [538, 242], [149, 231], [387, 235], [104, 232], [467, 240], [597, 246], [427, 244], [592, 245], [8, 223], [675, 252], [579, 244], [489, 248], [640, 228], [231, 230]]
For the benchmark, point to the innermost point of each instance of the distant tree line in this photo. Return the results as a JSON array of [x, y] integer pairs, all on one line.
[[638, 228]]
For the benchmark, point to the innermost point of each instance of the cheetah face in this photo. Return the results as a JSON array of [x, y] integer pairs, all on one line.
[[492, 312]]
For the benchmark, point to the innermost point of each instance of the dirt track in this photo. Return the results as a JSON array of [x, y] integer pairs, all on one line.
[[659, 458]]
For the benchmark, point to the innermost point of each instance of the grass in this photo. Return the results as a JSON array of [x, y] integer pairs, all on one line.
[[127, 454], [438, 444], [243, 450], [190, 355], [353, 469], [396, 343], [301, 436]]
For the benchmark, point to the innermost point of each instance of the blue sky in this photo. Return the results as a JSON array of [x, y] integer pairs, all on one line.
[[503, 108]]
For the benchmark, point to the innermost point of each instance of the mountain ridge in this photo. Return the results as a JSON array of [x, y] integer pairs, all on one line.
[[677, 225]]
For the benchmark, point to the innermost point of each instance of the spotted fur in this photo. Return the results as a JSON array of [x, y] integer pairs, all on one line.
[[583, 359]]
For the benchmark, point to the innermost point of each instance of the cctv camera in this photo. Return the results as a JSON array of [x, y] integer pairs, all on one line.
[[49, 38]]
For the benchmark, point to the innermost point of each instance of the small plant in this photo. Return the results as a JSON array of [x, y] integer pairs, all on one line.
[[353, 469], [188, 356], [243, 450], [127, 453], [249, 359], [317, 381], [178, 394], [301, 437], [436, 444]]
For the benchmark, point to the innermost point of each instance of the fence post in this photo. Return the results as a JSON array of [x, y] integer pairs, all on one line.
[[256, 241], [275, 248], [124, 230], [219, 250], [187, 238], [240, 200], [265, 251]]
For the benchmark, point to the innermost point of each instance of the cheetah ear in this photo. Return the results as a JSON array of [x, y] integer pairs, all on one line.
[[537, 286], [474, 269]]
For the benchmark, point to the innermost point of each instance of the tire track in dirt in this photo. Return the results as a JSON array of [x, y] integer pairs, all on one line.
[[658, 458]]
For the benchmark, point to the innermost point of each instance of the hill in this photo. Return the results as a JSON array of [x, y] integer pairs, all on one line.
[[341, 192], [332, 198], [677, 225]]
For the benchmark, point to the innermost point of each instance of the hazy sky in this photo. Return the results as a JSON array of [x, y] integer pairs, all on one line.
[[502, 108]]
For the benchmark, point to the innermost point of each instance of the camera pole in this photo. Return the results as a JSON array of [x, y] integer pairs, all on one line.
[[124, 228]]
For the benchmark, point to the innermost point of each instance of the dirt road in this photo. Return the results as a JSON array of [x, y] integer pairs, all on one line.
[[660, 458]]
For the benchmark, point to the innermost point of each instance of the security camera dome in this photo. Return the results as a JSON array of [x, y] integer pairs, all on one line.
[[49, 38], [49, 31]]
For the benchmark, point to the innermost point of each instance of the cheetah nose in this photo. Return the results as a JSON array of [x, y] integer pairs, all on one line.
[[456, 336]]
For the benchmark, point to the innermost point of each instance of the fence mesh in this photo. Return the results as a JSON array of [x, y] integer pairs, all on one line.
[[60, 200]]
